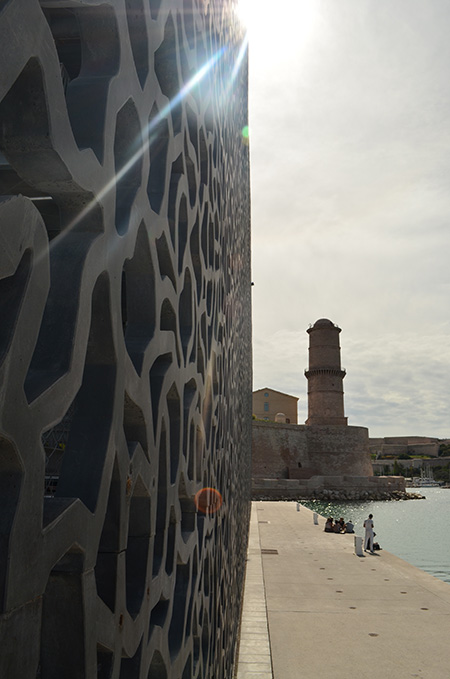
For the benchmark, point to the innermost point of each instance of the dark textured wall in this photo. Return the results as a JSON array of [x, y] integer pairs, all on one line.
[[125, 383]]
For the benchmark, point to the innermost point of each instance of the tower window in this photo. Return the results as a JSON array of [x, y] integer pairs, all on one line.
[[266, 407]]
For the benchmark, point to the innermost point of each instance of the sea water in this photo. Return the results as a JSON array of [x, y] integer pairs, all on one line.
[[415, 530]]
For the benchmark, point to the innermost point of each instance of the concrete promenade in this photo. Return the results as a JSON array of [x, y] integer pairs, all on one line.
[[315, 610]]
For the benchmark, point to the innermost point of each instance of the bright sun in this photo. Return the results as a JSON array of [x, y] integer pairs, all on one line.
[[280, 22]]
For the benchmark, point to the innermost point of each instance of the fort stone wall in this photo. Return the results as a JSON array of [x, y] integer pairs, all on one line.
[[278, 448], [339, 450], [289, 451]]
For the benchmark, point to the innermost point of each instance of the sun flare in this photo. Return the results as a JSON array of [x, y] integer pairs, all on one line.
[[287, 22]]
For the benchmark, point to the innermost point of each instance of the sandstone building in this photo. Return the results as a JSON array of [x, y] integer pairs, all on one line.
[[268, 403]]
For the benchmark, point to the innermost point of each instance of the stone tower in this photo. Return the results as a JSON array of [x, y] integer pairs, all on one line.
[[325, 375]]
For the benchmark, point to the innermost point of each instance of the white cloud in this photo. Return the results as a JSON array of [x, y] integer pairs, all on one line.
[[396, 384], [350, 143]]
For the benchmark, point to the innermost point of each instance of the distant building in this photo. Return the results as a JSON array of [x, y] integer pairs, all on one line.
[[269, 403], [405, 445]]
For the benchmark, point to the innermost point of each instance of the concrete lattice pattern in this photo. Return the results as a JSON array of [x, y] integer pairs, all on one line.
[[124, 338]]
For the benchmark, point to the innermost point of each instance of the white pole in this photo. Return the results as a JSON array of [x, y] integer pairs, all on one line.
[[315, 518], [358, 546]]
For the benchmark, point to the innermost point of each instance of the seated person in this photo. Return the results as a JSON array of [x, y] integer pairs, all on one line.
[[329, 525], [349, 527], [337, 528], [342, 523]]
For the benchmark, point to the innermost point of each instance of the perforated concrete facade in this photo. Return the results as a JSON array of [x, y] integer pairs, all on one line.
[[125, 383]]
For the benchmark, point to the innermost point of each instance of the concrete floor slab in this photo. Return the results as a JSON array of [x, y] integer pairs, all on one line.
[[334, 615]]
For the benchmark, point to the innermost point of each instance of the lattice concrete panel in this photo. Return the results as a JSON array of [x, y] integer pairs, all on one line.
[[124, 338]]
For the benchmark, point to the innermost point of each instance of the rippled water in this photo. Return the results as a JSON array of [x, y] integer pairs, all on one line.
[[415, 530]]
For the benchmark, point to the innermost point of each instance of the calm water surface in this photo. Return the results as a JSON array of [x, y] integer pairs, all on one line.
[[415, 530]]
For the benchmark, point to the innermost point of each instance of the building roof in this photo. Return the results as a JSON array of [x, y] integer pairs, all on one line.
[[323, 322], [277, 392]]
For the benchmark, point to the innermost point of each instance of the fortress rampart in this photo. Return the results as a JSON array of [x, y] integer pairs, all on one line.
[[286, 451]]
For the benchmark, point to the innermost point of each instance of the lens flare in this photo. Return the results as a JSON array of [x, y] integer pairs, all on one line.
[[141, 144], [208, 500], [239, 60]]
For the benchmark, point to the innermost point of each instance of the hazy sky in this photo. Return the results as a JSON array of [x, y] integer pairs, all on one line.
[[350, 162]]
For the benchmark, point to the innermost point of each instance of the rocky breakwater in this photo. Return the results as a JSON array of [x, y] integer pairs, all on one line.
[[334, 495], [333, 488]]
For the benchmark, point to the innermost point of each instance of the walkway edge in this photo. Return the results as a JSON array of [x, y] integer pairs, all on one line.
[[254, 658]]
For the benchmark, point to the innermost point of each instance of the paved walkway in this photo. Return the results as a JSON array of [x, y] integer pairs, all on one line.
[[315, 610]]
